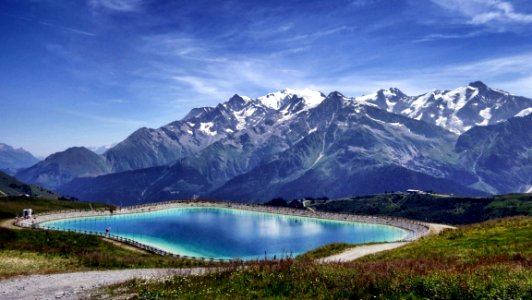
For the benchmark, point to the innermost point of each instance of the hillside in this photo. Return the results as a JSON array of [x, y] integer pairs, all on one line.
[[482, 261], [500, 155], [64, 166], [10, 186], [430, 207]]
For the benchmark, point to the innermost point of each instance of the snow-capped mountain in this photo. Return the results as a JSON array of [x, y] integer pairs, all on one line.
[[205, 126], [456, 110], [302, 143], [321, 149]]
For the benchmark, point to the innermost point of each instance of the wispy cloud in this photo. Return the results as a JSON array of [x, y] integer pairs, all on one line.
[[73, 30], [56, 26], [442, 36], [511, 73], [362, 3], [486, 12], [102, 119], [117, 5], [214, 75], [517, 64], [308, 38]]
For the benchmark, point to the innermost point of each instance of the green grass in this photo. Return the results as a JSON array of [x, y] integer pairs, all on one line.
[[433, 208], [78, 251], [492, 260], [11, 186], [10, 207], [39, 251]]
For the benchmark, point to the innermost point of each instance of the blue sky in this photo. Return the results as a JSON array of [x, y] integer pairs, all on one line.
[[89, 73]]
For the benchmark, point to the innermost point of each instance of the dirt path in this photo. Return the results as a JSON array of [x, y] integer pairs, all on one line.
[[79, 285], [437, 228], [359, 251], [9, 224]]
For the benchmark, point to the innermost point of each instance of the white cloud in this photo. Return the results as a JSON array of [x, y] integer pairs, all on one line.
[[117, 5], [486, 12], [362, 3], [72, 30], [438, 36], [311, 37], [510, 73], [201, 72]]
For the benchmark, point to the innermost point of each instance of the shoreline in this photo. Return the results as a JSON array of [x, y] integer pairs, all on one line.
[[414, 229]]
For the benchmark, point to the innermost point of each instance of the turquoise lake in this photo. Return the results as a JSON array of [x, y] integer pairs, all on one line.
[[225, 233]]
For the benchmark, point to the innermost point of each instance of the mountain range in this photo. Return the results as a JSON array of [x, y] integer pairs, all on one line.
[[305, 143], [12, 159]]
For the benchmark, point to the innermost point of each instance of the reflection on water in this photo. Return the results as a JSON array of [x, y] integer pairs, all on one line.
[[231, 233]]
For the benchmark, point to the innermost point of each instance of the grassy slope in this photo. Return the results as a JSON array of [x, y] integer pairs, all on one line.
[[39, 251], [452, 210], [10, 207], [483, 261], [11, 186]]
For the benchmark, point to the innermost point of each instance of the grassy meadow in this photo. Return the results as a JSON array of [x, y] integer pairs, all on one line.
[[491, 260], [488, 260], [40, 251]]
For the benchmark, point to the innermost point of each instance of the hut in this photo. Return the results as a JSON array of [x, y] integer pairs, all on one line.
[[26, 213]]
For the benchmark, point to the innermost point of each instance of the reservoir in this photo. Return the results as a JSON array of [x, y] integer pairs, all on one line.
[[227, 233]]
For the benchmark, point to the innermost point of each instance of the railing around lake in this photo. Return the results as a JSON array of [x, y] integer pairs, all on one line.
[[414, 228]]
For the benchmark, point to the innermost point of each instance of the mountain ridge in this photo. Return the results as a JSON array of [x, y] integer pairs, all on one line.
[[12, 159], [326, 139]]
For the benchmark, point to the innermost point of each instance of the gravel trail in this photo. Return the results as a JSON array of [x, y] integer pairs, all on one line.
[[79, 285], [359, 251], [363, 250]]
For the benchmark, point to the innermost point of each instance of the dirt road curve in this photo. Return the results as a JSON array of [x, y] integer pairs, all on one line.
[[359, 251], [78, 285]]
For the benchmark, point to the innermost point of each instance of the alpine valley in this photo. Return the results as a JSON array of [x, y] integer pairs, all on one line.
[[473, 140]]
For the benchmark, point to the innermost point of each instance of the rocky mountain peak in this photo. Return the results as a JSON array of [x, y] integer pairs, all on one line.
[[478, 85], [278, 99]]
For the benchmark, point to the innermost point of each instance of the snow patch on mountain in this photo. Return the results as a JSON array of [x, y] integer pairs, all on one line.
[[102, 149], [207, 128], [486, 114], [525, 112], [276, 100]]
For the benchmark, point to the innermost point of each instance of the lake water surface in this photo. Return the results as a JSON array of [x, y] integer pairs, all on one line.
[[225, 233]]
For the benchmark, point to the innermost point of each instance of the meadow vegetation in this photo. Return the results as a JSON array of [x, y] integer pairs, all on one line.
[[431, 207], [10, 207], [42, 251], [491, 260]]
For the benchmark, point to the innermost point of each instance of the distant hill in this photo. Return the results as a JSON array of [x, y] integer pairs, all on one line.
[[11, 158], [10, 186], [62, 167], [431, 207]]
